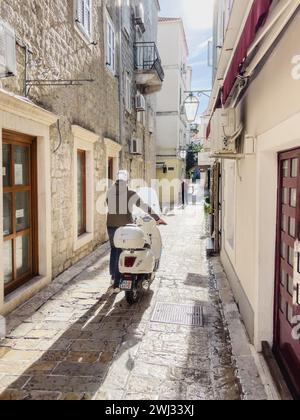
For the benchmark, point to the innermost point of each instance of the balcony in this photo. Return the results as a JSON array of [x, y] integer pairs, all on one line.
[[148, 67]]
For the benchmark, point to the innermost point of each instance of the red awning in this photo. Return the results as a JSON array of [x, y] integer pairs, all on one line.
[[256, 19]]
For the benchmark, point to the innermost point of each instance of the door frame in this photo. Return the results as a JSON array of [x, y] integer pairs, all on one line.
[[15, 138], [282, 155]]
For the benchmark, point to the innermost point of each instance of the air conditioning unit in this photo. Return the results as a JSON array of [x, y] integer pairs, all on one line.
[[8, 61], [140, 103], [229, 121], [226, 127], [140, 17], [136, 147]]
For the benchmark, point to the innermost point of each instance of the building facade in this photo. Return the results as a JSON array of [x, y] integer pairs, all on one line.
[[64, 130], [255, 141], [138, 103], [172, 127]]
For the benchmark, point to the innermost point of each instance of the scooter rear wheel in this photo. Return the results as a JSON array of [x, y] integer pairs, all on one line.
[[133, 296]]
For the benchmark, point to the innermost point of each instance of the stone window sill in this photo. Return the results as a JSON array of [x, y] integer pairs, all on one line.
[[83, 240]]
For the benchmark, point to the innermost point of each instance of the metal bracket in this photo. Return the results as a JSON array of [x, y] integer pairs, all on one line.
[[28, 83], [57, 82], [198, 92]]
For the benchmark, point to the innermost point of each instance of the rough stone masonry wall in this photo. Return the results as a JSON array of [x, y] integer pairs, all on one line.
[[139, 167], [48, 27]]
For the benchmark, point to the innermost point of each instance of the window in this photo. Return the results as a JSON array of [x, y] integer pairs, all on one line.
[[81, 192], [126, 12], [19, 209], [141, 117], [110, 45], [128, 96], [84, 16], [83, 186], [230, 194], [111, 168]]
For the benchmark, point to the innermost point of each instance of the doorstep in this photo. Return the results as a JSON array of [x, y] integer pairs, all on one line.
[[276, 373], [24, 293]]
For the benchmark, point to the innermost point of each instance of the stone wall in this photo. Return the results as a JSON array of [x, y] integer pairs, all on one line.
[[139, 166], [60, 51]]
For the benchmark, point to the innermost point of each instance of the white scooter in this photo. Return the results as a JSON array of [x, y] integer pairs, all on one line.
[[142, 248]]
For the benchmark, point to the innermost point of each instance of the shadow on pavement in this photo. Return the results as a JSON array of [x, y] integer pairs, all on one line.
[[75, 365]]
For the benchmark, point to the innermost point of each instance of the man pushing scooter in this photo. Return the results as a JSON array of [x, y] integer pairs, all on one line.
[[121, 201]]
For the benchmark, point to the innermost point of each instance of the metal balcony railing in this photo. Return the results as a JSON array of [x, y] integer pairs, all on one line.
[[147, 58]]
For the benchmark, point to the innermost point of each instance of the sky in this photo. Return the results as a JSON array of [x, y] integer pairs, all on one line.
[[197, 16]]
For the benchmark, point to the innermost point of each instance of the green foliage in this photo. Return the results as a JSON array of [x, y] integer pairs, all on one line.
[[207, 206], [192, 157]]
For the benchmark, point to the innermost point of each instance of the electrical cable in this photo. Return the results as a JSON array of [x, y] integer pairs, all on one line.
[[59, 137]]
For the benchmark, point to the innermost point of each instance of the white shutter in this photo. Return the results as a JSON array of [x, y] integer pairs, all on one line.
[[2, 47], [108, 58], [84, 15], [79, 11], [113, 47], [87, 16], [110, 45], [8, 62], [126, 16], [128, 98]]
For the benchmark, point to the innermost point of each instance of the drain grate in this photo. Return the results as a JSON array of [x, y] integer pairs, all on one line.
[[188, 315]]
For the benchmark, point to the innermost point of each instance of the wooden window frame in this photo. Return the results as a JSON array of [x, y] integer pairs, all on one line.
[[17, 139], [83, 228]]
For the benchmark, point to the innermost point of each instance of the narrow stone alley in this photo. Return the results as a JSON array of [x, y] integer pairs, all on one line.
[[73, 341]]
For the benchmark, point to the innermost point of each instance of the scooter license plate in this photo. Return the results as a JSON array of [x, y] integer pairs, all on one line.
[[126, 285]]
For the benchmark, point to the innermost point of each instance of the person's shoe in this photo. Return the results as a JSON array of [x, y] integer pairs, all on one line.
[[111, 291]]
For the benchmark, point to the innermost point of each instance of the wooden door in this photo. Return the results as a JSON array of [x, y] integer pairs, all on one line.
[[20, 217], [287, 299]]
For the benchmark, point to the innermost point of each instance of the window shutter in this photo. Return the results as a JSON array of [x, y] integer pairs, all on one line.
[[79, 11], [126, 16], [110, 45], [87, 16], [113, 46]]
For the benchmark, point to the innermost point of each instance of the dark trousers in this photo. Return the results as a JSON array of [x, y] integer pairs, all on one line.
[[114, 258]]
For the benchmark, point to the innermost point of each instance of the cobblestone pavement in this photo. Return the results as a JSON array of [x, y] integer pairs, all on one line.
[[72, 341]]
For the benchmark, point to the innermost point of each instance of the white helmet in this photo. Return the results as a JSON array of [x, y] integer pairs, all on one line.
[[123, 176]]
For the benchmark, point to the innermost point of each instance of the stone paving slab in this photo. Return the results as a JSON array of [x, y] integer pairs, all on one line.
[[73, 341]]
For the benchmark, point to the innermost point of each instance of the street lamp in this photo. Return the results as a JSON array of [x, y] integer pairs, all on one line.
[[191, 105], [192, 102]]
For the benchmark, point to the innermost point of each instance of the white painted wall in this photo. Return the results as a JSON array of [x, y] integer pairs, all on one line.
[[168, 97], [168, 134], [171, 124], [271, 110]]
